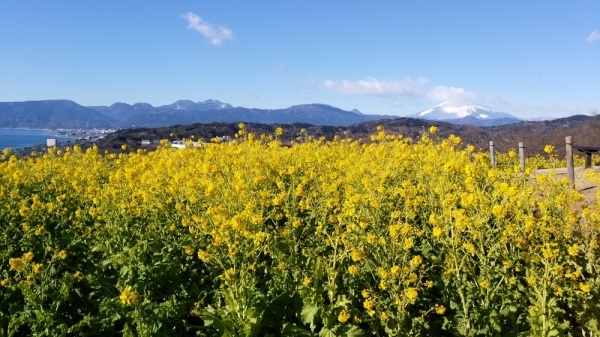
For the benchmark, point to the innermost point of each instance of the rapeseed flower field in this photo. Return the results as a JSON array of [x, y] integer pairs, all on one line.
[[392, 236]]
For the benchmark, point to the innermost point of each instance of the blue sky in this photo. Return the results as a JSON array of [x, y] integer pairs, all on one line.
[[528, 58]]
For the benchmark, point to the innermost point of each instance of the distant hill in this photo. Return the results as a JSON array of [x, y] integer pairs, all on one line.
[[67, 114], [585, 130], [52, 114]]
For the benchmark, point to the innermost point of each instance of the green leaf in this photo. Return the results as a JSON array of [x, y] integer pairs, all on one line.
[[124, 271], [308, 315], [553, 332], [592, 326], [348, 330], [274, 313], [327, 333], [343, 302], [211, 318], [291, 330]]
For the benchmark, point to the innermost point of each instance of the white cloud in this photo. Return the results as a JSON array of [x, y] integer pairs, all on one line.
[[528, 110], [593, 37], [216, 35], [445, 93], [409, 91], [407, 87]]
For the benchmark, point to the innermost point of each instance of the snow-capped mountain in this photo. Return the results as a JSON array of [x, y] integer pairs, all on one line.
[[209, 104], [466, 114]]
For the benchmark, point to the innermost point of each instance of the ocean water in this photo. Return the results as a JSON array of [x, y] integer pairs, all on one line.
[[19, 138]]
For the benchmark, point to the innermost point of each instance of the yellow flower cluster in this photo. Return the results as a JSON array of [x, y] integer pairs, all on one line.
[[128, 296], [412, 221], [344, 316], [18, 263]]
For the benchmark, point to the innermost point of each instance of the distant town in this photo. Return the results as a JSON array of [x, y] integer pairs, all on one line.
[[83, 134]]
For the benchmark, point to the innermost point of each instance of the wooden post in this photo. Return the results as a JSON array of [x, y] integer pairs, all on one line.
[[492, 153], [469, 154], [570, 168], [588, 160], [522, 156]]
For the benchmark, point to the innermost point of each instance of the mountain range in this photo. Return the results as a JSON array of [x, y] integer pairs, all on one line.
[[57, 114]]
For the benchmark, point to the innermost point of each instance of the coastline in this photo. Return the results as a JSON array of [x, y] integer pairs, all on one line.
[[27, 138]]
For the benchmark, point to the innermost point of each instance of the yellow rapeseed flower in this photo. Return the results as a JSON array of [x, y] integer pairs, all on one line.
[[498, 211], [573, 250], [382, 272], [411, 293], [203, 255], [558, 292], [353, 270], [434, 219], [371, 239], [27, 257], [549, 252], [357, 255], [469, 248], [584, 287], [38, 267], [369, 304], [189, 250], [416, 261], [128, 296], [412, 278], [395, 230], [16, 263], [344, 316], [229, 274], [408, 243]]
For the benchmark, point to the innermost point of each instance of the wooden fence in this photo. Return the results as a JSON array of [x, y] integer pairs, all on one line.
[[587, 151]]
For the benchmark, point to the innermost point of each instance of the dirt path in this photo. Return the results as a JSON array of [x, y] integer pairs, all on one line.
[[582, 183]]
